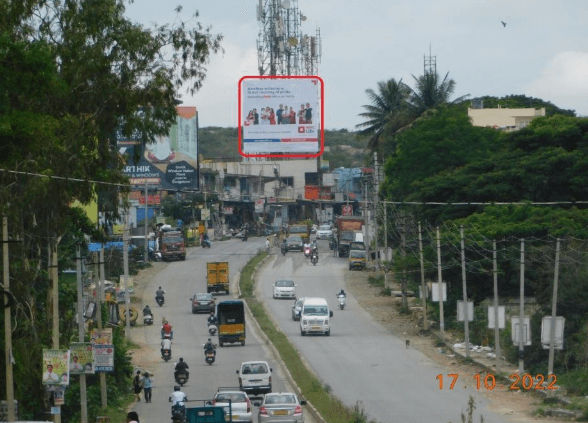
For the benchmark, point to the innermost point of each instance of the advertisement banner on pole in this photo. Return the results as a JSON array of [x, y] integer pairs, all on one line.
[[104, 357], [101, 336], [55, 367], [281, 116], [81, 360]]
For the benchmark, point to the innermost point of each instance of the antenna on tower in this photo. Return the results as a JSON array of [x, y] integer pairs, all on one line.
[[430, 63]]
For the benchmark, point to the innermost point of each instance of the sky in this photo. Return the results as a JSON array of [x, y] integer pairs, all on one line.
[[542, 52]]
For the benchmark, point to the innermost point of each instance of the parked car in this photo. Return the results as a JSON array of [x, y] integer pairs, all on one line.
[[280, 407], [357, 259], [240, 404], [294, 242], [203, 303], [296, 307], [255, 377], [284, 288], [324, 232]]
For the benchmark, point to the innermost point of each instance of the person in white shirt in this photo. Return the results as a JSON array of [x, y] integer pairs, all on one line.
[[166, 344], [177, 397]]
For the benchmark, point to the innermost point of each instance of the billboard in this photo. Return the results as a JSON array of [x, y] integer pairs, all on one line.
[[55, 367], [171, 162], [281, 116], [81, 358]]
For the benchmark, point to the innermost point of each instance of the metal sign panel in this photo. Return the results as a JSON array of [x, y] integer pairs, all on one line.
[[546, 332], [501, 317], [461, 313], [516, 330]]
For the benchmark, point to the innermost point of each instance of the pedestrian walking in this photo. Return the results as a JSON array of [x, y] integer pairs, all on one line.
[[268, 245], [138, 385], [147, 385]]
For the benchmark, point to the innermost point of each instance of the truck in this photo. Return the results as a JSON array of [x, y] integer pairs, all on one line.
[[172, 245], [301, 229], [217, 277], [347, 227]]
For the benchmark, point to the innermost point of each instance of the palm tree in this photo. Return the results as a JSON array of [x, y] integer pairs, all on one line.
[[387, 112], [430, 93]]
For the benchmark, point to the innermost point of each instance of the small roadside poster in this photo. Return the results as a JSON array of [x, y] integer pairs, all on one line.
[[104, 358], [81, 360], [101, 336], [56, 367]]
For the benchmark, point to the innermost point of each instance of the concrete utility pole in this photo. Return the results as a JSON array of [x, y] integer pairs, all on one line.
[[496, 322], [465, 294], [440, 288], [423, 287], [553, 311], [81, 330], [126, 276], [376, 204], [522, 312], [55, 301], [7, 327], [145, 221], [100, 293]]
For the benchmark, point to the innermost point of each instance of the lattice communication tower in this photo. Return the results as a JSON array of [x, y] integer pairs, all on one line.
[[282, 48], [430, 63]]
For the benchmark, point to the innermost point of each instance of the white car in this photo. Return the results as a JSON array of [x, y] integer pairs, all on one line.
[[284, 288], [324, 232], [280, 407], [240, 404], [255, 377]]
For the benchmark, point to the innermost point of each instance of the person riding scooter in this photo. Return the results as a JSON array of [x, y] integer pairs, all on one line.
[[181, 367], [178, 409], [147, 311], [342, 293], [167, 329], [212, 320], [209, 346], [166, 345], [159, 296]]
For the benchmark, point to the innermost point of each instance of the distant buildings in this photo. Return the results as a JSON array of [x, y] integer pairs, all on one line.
[[502, 118]]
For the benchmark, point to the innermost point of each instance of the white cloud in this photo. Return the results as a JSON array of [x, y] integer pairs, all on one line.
[[216, 102], [563, 82]]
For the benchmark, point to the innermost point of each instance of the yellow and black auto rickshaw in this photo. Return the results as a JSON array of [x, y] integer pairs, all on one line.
[[231, 321]]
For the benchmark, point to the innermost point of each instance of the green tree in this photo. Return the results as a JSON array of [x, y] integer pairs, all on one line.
[[430, 92], [387, 112]]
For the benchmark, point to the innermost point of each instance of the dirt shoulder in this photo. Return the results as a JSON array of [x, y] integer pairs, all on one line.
[[515, 406]]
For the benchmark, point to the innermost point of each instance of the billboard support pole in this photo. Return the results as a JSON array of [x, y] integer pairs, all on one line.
[[100, 292], [145, 222], [553, 311], [11, 415], [81, 330]]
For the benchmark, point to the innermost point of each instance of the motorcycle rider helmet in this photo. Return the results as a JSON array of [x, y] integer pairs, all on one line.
[[177, 388], [181, 359], [209, 340]]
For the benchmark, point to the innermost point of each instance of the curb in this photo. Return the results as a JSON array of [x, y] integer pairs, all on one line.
[[313, 411]]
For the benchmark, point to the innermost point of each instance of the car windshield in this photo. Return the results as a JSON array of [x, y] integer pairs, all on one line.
[[280, 399], [298, 229], [288, 284], [204, 297], [255, 368], [233, 396], [357, 254], [316, 310], [347, 236], [325, 228], [295, 239]]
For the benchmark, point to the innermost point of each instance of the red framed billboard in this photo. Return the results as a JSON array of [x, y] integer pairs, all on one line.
[[281, 116]]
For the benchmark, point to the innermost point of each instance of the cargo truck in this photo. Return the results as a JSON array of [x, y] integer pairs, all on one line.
[[301, 229], [217, 277], [347, 227]]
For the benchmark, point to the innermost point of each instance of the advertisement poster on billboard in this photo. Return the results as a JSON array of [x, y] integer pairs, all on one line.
[[81, 361], [55, 367], [281, 116], [171, 162], [101, 336], [104, 358]]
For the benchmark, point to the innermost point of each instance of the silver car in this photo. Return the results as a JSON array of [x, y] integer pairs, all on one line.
[[280, 407], [324, 232], [284, 289], [296, 307]]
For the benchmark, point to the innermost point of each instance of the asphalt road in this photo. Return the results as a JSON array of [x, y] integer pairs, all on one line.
[[361, 360], [181, 280]]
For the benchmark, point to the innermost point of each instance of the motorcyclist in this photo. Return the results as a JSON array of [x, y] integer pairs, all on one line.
[[209, 346], [166, 344], [212, 320], [159, 293], [167, 329], [178, 399], [181, 367], [147, 311], [342, 293], [314, 245]]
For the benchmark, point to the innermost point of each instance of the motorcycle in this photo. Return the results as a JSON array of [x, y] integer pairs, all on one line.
[[307, 252], [147, 319], [159, 300], [181, 378], [209, 356], [166, 355], [244, 235], [212, 329], [178, 413], [205, 243], [342, 300], [284, 250], [314, 259]]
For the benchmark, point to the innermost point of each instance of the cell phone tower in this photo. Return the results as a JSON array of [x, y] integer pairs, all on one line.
[[282, 49]]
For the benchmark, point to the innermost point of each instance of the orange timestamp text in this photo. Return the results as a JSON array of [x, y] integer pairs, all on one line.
[[527, 382]]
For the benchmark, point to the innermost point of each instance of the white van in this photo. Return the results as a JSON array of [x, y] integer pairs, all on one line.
[[314, 316]]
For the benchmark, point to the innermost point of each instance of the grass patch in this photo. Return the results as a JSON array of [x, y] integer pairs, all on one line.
[[331, 408], [386, 292], [576, 381], [377, 281]]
